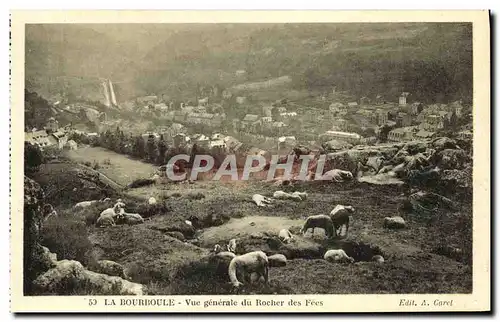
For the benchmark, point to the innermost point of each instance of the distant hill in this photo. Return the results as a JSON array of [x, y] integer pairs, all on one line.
[[431, 61]]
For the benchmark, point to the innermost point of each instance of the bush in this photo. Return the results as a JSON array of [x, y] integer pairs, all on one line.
[[68, 238]]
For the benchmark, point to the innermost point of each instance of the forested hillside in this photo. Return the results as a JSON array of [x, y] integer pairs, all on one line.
[[432, 61]]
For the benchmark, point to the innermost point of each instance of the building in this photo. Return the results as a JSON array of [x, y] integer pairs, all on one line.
[[266, 119], [416, 108], [52, 125], [402, 98], [147, 100], [226, 94], [162, 107], [250, 121], [232, 144], [60, 138], [337, 107], [241, 99], [286, 143], [402, 134], [39, 138], [383, 116], [71, 145], [352, 104], [353, 138], [180, 116], [403, 119], [423, 134]]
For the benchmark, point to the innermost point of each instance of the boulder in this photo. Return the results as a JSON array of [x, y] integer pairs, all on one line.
[[388, 178], [451, 159], [110, 268], [443, 143], [277, 260], [375, 162], [385, 169], [335, 145], [414, 147], [36, 259], [378, 259], [176, 234], [69, 277], [395, 222]]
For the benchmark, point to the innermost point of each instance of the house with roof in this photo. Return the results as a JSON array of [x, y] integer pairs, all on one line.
[[40, 138], [162, 107], [250, 122], [352, 104], [337, 107], [403, 119], [147, 100], [350, 137], [52, 125], [233, 145], [402, 98], [61, 138], [402, 134], [423, 134]]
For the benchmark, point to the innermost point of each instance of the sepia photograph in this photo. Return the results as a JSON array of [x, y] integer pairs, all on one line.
[[239, 159]]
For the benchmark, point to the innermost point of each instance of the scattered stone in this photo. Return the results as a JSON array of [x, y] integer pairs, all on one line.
[[395, 222]]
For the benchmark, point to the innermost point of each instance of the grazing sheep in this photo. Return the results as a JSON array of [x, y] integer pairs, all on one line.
[[261, 201], [319, 221], [285, 195], [132, 219], [218, 251], [253, 262], [231, 246], [152, 201], [302, 195], [337, 255], [285, 236], [340, 217], [337, 175], [108, 216], [394, 222], [277, 260], [111, 268], [85, 204], [378, 259]]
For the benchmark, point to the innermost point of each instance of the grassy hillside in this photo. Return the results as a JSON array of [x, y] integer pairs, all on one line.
[[432, 61]]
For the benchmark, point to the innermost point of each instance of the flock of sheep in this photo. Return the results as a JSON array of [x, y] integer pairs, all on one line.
[[255, 265], [113, 215]]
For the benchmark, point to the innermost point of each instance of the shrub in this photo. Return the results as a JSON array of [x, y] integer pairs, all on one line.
[[67, 237]]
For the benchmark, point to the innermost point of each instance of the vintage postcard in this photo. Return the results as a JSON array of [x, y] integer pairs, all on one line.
[[250, 161]]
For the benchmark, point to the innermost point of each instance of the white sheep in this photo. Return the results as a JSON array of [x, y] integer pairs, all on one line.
[[285, 236], [340, 217], [285, 195], [219, 253], [152, 201], [231, 246], [337, 175], [277, 260], [337, 255], [394, 222], [245, 265], [261, 201], [319, 221], [302, 195], [132, 219], [85, 204], [108, 216]]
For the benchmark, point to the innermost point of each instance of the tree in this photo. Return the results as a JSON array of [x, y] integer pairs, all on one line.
[[33, 158], [138, 148], [151, 151], [162, 149]]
